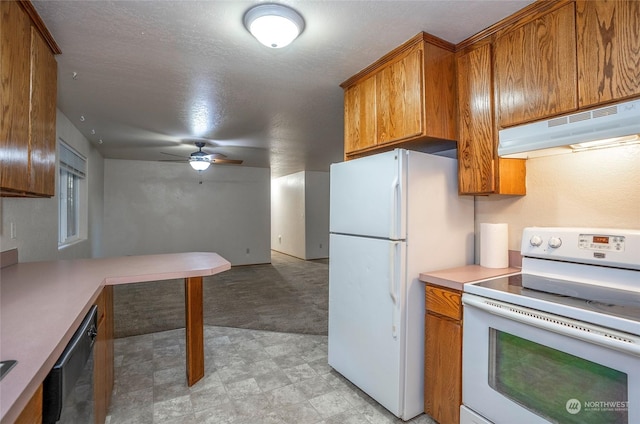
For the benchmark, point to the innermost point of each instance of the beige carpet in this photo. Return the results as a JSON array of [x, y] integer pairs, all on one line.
[[289, 295]]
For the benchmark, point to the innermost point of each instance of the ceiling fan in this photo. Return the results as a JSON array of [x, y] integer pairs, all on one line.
[[201, 160]]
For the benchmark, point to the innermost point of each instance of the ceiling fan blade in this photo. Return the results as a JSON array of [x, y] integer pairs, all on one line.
[[227, 161], [174, 160], [171, 154], [216, 156]]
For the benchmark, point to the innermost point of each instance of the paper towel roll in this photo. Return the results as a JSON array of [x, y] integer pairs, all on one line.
[[494, 245]]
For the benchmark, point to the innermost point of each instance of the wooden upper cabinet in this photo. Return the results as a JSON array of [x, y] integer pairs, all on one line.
[[406, 96], [535, 68], [28, 75], [399, 98], [360, 115], [476, 146], [608, 51], [44, 83], [15, 85], [480, 171]]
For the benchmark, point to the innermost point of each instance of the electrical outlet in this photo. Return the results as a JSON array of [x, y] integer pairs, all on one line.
[[248, 250], [13, 231], [320, 245]]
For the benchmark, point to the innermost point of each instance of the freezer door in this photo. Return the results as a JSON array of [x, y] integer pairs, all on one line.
[[368, 197], [366, 334]]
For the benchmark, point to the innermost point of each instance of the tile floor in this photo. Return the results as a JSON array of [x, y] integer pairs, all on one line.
[[251, 377]]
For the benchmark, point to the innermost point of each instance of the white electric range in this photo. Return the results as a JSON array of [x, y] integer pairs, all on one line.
[[559, 342]]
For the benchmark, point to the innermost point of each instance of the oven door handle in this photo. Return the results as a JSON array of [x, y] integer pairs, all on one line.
[[623, 342]]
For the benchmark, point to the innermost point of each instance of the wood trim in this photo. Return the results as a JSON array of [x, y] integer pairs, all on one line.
[[37, 21], [194, 329], [400, 50], [520, 17]]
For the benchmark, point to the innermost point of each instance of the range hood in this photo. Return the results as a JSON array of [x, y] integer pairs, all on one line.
[[615, 124]]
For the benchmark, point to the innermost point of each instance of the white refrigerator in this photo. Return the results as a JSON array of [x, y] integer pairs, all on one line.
[[393, 215]]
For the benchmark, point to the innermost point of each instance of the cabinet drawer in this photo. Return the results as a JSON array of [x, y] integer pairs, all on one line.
[[444, 302]]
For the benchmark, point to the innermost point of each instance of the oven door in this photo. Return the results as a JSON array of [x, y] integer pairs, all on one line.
[[522, 365]]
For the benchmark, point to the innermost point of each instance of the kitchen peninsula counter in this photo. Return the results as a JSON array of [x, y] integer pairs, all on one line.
[[43, 303]]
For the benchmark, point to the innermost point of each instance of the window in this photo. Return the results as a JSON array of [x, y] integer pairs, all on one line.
[[72, 175]]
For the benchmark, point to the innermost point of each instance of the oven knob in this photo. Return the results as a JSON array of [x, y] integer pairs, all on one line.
[[535, 241], [555, 242]]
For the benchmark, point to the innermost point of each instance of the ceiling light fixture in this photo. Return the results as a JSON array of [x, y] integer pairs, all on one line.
[[199, 160], [274, 25], [199, 163]]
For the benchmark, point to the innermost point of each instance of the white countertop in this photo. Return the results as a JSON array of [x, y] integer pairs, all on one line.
[[42, 304]]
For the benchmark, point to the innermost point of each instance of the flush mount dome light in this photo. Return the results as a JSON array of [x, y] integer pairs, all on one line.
[[273, 25]]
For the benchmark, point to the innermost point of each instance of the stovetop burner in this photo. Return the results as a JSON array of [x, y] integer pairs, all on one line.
[[586, 274], [600, 305]]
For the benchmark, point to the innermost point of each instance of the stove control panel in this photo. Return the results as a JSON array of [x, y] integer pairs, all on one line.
[[601, 242], [608, 247]]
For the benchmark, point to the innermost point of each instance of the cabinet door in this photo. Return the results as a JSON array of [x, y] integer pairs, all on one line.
[[399, 98], [443, 369], [360, 115], [536, 68], [42, 150], [476, 136], [608, 50], [14, 74]]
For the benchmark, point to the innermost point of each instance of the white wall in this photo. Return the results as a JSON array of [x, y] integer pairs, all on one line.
[[288, 215], [156, 207], [300, 214], [36, 220], [598, 188], [317, 213]]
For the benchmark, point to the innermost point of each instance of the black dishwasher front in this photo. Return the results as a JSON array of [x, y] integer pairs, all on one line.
[[68, 389]]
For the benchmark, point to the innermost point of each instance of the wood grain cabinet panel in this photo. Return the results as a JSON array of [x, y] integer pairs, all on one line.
[[413, 99], [608, 51], [360, 115], [480, 171], [443, 355], [444, 302], [42, 146], [476, 147], [103, 377], [535, 68], [399, 99], [15, 85], [32, 412], [28, 76]]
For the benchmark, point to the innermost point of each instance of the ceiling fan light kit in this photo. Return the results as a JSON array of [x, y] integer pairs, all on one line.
[[199, 164], [199, 160], [274, 25]]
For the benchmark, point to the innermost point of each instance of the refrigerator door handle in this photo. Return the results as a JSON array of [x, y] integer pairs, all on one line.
[[393, 286], [395, 206]]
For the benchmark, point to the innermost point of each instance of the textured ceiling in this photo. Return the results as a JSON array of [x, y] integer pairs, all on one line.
[[156, 76]]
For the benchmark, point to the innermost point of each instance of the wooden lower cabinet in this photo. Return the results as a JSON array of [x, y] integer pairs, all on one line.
[[32, 412], [443, 354], [103, 356]]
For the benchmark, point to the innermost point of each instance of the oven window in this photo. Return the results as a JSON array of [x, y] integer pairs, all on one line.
[[560, 387]]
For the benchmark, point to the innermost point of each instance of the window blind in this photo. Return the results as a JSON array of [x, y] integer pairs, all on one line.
[[72, 161]]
